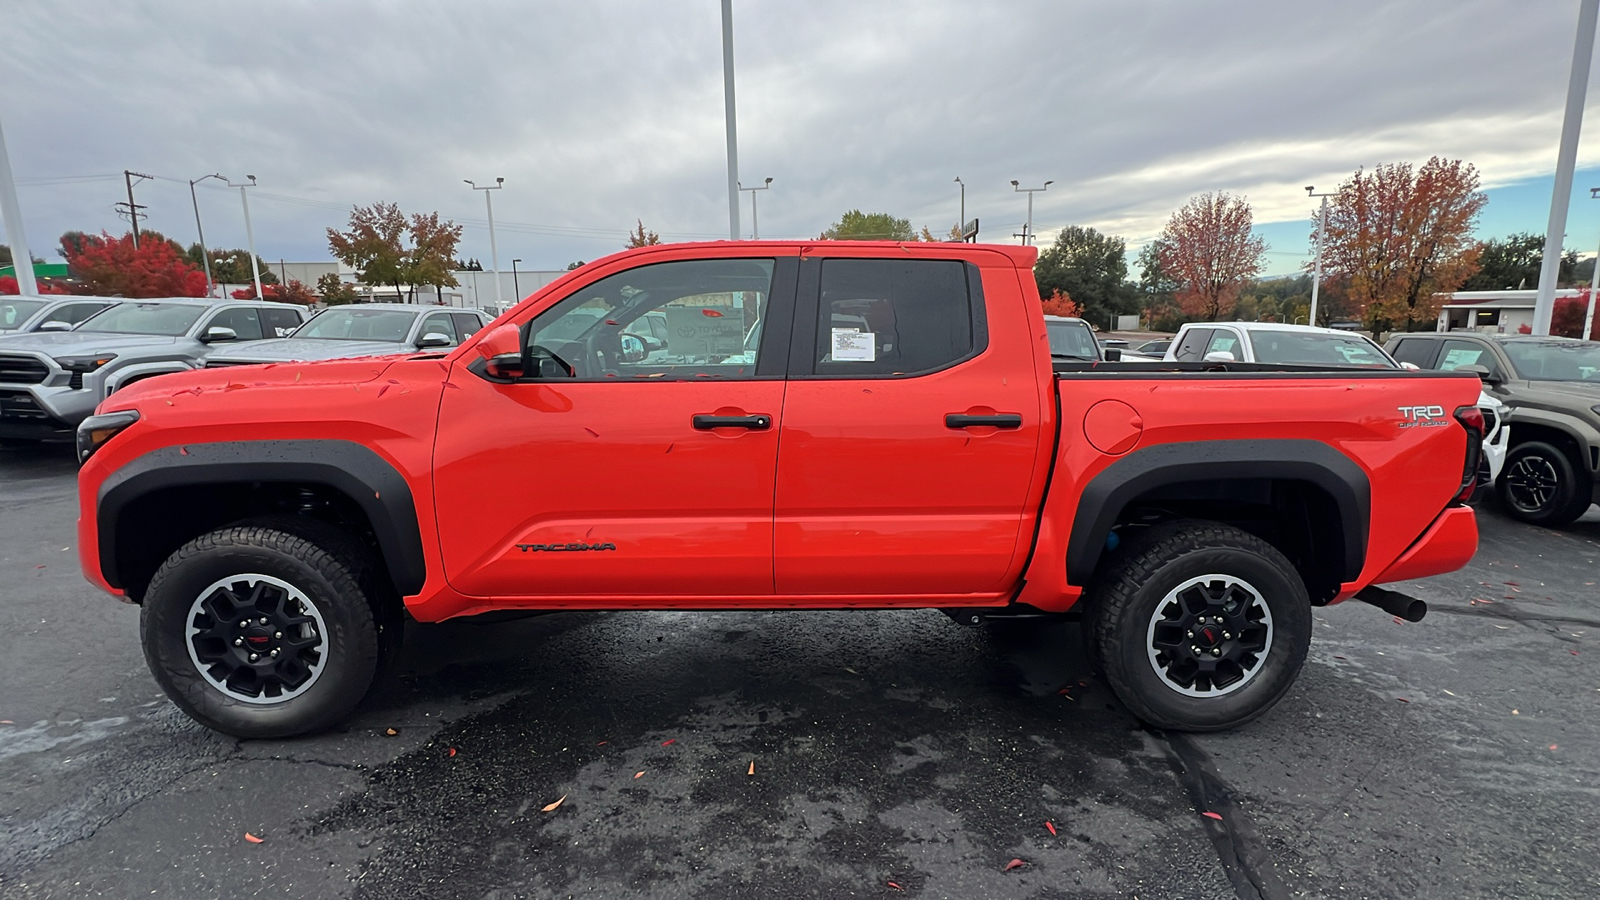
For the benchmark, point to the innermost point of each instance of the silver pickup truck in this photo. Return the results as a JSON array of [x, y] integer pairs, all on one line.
[[52, 380]]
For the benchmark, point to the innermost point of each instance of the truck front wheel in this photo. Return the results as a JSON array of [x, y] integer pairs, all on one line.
[[1199, 626], [261, 633]]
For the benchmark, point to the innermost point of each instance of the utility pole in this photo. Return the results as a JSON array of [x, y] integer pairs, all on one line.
[[11, 211], [755, 223], [732, 124], [205, 253], [133, 208], [249, 233], [1322, 224], [1566, 160], [515, 288], [962, 222], [1027, 239], [494, 253]]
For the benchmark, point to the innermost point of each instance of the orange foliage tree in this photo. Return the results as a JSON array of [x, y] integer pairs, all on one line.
[[112, 267], [1403, 236], [1059, 304], [294, 292], [1209, 250], [1566, 319]]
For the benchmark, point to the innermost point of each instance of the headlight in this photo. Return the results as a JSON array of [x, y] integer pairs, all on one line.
[[83, 365], [94, 431]]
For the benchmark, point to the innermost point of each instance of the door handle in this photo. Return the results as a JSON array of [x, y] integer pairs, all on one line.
[[754, 423], [999, 420]]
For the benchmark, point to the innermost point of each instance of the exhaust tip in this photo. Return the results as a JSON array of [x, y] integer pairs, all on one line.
[[1394, 603]]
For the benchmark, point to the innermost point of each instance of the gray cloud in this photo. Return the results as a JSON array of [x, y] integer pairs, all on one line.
[[599, 113]]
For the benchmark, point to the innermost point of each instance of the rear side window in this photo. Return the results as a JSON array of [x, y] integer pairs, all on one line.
[[467, 324], [895, 317], [277, 323], [1417, 351], [244, 321], [1193, 346]]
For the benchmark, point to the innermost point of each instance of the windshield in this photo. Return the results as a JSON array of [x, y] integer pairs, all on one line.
[[1071, 339], [1556, 360], [170, 319], [1318, 348], [14, 312], [347, 324]]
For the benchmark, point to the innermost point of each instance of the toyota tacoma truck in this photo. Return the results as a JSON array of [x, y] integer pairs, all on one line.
[[824, 425]]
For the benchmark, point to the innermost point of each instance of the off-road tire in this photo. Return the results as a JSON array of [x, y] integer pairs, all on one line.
[[1568, 495], [1124, 600], [328, 567]]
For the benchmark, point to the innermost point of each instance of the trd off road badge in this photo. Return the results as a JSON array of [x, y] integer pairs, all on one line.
[[564, 548], [1422, 416]]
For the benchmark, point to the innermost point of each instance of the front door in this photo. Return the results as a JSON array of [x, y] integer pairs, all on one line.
[[649, 473], [911, 442]]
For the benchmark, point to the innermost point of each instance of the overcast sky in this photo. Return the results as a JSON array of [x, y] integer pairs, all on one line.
[[601, 112]]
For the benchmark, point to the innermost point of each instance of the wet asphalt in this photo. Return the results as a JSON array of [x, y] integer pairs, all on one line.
[[894, 754]]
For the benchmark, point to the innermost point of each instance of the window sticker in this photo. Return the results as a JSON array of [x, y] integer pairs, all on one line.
[[851, 345], [1455, 359]]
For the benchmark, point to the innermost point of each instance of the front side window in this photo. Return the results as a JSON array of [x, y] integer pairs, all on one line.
[[893, 317], [673, 320], [346, 323], [1556, 360], [1455, 354], [245, 322], [168, 319], [438, 323], [1224, 340]]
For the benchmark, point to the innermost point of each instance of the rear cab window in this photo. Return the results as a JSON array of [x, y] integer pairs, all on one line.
[[892, 317], [1192, 347], [1420, 352]]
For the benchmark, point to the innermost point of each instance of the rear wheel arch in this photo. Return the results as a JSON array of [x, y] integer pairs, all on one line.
[[154, 504], [1303, 497]]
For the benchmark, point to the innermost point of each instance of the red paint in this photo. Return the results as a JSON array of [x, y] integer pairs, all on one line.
[[858, 495]]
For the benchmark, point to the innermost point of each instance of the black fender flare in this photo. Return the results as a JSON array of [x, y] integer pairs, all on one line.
[[1108, 493], [367, 478]]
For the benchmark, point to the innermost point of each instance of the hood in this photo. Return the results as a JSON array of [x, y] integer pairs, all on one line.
[[1550, 391], [303, 350], [56, 343]]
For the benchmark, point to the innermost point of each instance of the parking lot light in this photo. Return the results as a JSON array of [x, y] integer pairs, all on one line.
[[1027, 231], [494, 254], [249, 233]]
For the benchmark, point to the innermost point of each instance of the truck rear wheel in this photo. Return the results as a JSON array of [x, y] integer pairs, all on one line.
[[258, 632], [1540, 485], [1199, 626]]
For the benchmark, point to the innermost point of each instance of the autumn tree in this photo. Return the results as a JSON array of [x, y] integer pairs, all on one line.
[[1089, 267], [112, 267], [1567, 317], [856, 225], [373, 245], [641, 238], [1208, 249], [334, 291], [9, 285], [1402, 236], [1059, 304], [431, 258], [293, 292]]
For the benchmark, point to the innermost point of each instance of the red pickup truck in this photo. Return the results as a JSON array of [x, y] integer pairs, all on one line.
[[766, 425]]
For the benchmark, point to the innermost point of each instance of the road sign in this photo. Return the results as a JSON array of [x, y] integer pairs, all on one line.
[[969, 231]]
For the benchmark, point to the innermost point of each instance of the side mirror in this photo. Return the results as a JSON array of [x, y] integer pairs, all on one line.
[[55, 325], [1411, 367], [217, 334], [433, 339], [1113, 354], [1221, 356], [633, 348], [1483, 373]]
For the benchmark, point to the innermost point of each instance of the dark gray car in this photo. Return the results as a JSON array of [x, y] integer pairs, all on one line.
[[366, 329], [50, 381], [1552, 389]]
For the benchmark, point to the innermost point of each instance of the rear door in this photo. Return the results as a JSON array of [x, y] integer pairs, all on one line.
[[644, 476], [909, 437]]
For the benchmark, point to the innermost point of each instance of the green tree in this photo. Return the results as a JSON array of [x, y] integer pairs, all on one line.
[[1513, 263], [1089, 267], [576, 264], [334, 291], [231, 266], [373, 244], [856, 225]]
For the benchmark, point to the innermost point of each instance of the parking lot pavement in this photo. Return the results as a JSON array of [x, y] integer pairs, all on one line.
[[892, 753]]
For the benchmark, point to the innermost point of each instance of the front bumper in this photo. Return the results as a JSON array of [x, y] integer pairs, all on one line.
[[41, 400]]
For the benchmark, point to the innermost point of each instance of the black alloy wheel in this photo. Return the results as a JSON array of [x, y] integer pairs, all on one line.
[[1540, 485]]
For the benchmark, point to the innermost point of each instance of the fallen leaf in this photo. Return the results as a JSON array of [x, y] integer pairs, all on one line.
[[6, 722], [252, 838], [1399, 621], [38, 567], [550, 807], [1402, 700], [1336, 656], [1552, 746], [452, 751], [1014, 864], [391, 732], [669, 742], [1451, 693], [752, 768], [601, 744], [1212, 815], [638, 774], [851, 671], [1516, 712], [1573, 652], [1050, 825], [895, 886]]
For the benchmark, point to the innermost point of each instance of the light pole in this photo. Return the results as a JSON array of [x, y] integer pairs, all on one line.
[[249, 233], [494, 254], [1566, 160], [961, 223], [1027, 231], [205, 254], [515, 289], [730, 119], [755, 224], [1594, 283], [11, 212], [1322, 226]]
